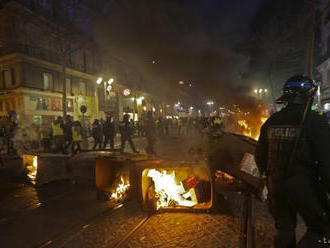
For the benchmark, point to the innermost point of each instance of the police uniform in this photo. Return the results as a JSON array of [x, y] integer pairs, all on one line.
[[126, 134], [294, 187], [109, 133]]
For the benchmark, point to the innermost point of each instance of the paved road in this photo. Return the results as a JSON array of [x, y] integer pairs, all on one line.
[[63, 215]]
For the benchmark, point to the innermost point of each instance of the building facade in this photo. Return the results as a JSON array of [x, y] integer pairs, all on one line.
[[40, 60], [32, 65]]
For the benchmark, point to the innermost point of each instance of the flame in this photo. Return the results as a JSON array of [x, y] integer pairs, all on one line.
[[168, 192], [247, 129], [33, 169], [121, 189]]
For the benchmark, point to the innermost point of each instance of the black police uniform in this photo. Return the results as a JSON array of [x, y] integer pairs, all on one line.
[[295, 189], [109, 133], [126, 135]]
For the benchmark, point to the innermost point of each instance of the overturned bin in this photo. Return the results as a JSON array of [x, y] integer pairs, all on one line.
[[231, 160], [113, 175], [164, 185], [233, 155], [45, 168]]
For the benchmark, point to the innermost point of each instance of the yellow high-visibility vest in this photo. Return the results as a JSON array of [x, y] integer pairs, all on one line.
[[57, 130], [217, 121], [76, 134]]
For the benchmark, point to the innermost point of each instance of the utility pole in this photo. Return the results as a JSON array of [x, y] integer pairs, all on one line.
[[64, 90], [310, 48]]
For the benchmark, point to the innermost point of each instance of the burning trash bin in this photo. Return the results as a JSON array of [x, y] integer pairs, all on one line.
[[113, 175], [44, 168], [173, 185]]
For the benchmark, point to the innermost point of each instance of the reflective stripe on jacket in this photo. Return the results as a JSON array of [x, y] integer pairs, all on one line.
[[57, 130], [76, 134]]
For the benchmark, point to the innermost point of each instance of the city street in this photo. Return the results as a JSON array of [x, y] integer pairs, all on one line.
[[62, 214], [65, 215], [164, 124]]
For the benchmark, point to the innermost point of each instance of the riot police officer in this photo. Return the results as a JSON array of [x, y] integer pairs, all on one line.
[[293, 178], [126, 131]]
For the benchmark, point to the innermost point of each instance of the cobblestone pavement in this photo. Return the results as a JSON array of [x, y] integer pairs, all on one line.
[[76, 219], [187, 230], [108, 229], [161, 230], [265, 228]]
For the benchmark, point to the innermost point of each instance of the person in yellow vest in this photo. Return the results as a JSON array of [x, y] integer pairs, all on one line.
[[76, 136], [217, 122], [58, 135]]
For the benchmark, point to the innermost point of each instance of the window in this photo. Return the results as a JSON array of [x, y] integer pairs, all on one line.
[[68, 86], [82, 88], [6, 77], [48, 81]]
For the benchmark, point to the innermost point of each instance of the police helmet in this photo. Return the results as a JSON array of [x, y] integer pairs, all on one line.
[[299, 86]]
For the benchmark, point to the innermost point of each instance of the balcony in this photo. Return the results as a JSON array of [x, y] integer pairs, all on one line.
[[44, 54]]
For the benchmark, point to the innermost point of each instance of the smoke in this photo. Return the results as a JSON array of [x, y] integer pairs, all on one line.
[[25, 137], [172, 41]]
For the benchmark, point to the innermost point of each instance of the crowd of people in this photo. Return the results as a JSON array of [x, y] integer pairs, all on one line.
[[65, 135]]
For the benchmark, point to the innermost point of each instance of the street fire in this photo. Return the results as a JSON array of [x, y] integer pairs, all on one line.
[[177, 189], [31, 167], [246, 130], [121, 189], [252, 128]]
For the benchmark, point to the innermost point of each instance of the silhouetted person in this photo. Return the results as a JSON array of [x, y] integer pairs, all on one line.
[[126, 134], [109, 133], [76, 136], [97, 134]]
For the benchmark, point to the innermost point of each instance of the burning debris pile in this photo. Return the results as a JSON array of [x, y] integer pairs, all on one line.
[[120, 189], [31, 167], [169, 190], [116, 191]]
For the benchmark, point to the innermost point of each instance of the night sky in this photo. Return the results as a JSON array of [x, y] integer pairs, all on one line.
[[189, 40]]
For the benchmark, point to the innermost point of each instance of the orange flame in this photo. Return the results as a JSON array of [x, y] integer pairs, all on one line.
[[121, 190], [252, 130], [167, 190]]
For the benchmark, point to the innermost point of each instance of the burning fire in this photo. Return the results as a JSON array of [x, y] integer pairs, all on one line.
[[32, 169], [252, 130], [121, 190], [168, 192]]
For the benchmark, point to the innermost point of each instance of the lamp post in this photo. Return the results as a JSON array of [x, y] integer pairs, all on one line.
[[210, 103], [107, 85]]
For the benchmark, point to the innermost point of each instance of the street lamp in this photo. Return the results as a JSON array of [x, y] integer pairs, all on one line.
[[99, 80], [261, 92]]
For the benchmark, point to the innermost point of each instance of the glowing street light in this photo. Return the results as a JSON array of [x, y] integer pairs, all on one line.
[[99, 80], [261, 92], [210, 103], [110, 81]]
